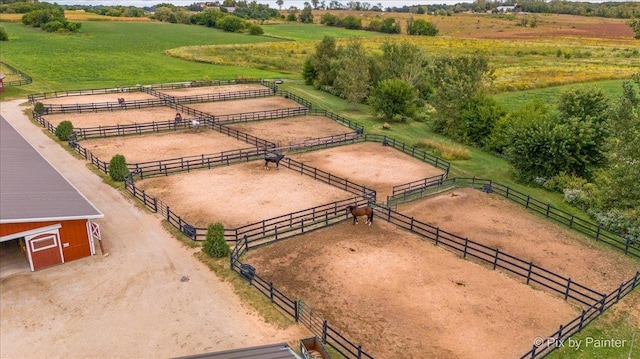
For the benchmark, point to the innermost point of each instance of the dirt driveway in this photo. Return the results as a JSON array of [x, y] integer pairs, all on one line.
[[130, 304]]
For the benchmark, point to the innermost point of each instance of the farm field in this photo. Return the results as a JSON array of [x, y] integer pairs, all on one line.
[[499, 223], [292, 130], [240, 194], [402, 297], [162, 146], [245, 106], [370, 164], [112, 118]]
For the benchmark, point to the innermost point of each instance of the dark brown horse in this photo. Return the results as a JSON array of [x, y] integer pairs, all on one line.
[[275, 159], [361, 211]]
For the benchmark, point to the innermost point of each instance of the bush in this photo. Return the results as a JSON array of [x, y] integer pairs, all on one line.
[[64, 130], [352, 23], [215, 245], [255, 30], [4, 36], [421, 27], [39, 108], [118, 168], [52, 26]]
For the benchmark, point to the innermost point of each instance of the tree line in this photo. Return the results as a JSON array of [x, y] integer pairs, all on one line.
[[586, 145]]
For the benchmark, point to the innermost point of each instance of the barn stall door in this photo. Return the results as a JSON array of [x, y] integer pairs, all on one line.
[[44, 250]]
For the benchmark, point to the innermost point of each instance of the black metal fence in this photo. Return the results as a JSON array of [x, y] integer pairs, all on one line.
[[543, 347], [600, 234], [297, 309], [33, 98], [494, 258], [221, 96], [260, 115], [411, 150], [103, 106], [23, 79]]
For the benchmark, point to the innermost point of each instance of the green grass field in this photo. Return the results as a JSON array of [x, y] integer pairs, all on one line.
[[303, 32], [109, 54]]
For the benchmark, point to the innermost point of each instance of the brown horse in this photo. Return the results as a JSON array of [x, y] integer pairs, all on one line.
[[361, 211]]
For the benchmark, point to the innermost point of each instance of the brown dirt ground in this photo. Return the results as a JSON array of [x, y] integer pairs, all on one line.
[[370, 164], [417, 300], [158, 146], [245, 106], [499, 223], [112, 118], [239, 194], [102, 98], [203, 90], [293, 129]]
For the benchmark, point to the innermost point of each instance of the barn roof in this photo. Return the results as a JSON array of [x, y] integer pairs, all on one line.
[[271, 351], [31, 190]]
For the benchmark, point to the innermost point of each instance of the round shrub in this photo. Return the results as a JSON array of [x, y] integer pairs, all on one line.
[[255, 30], [118, 168], [215, 245], [64, 130], [39, 108]]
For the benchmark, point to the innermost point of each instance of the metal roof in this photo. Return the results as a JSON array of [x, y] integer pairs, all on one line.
[[31, 189], [271, 351]]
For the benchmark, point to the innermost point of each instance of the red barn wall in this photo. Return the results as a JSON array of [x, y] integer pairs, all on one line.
[[72, 232]]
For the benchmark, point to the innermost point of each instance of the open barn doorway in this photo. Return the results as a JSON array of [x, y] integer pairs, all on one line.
[[13, 257]]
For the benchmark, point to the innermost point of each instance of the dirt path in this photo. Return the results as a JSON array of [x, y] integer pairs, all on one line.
[[131, 303]]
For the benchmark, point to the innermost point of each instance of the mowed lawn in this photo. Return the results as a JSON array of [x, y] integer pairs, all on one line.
[[118, 53]]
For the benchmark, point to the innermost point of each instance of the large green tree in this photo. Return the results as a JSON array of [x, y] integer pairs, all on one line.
[[391, 98], [352, 77]]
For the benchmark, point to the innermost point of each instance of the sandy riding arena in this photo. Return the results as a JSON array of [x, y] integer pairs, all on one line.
[[101, 98], [244, 106], [402, 297], [293, 129], [239, 194], [204, 90], [154, 146], [117, 117], [370, 164], [499, 223]]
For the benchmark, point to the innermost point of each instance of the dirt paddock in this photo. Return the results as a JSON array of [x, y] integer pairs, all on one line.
[[370, 164], [219, 108], [112, 118], [293, 129], [159, 146], [499, 223], [98, 98], [402, 297], [240, 194], [204, 90]]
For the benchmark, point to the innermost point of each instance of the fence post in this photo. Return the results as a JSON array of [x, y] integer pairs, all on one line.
[[560, 333], [566, 293], [437, 235], [529, 272], [359, 351], [271, 291], [324, 331], [466, 245], [604, 303], [581, 320], [495, 259], [598, 234], [626, 245], [246, 243]]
